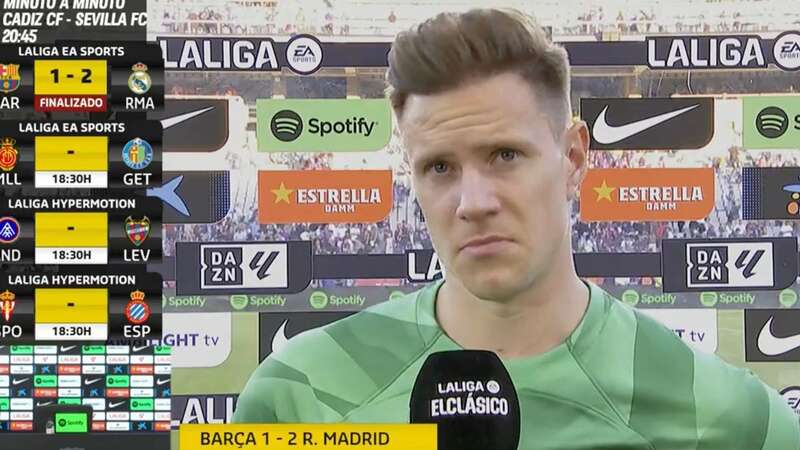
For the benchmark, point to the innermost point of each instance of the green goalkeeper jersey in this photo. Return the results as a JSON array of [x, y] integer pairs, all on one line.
[[620, 381]]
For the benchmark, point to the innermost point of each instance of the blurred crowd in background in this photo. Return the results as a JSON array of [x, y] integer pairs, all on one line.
[[593, 18], [404, 228]]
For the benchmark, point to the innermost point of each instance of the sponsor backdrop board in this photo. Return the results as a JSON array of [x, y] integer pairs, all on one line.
[[698, 147]]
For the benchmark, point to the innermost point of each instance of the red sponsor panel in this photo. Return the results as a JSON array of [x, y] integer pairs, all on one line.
[[21, 426], [69, 369], [118, 393], [141, 369], [45, 392]]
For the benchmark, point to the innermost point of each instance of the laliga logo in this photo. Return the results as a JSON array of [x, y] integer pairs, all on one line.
[[471, 404]]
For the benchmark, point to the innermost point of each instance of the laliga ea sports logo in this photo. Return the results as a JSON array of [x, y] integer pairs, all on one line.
[[786, 50], [304, 54]]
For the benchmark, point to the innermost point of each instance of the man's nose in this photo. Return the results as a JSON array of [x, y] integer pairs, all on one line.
[[478, 196]]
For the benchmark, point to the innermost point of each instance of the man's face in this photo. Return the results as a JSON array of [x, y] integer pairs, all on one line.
[[493, 181]]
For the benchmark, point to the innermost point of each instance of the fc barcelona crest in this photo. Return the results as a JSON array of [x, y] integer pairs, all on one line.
[[9, 77], [137, 230], [8, 154]]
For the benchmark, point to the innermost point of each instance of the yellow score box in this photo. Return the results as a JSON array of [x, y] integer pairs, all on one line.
[[308, 436], [71, 305], [71, 153], [70, 77]]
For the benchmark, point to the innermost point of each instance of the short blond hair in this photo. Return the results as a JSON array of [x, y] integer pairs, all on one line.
[[451, 49]]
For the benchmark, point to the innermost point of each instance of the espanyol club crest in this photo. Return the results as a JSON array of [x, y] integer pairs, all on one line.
[[9, 230], [137, 154], [8, 154], [137, 230], [139, 82], [137, 311], [9, 77]]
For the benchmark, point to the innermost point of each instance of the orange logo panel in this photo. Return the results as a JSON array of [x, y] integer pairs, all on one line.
[[647, 194], [324, 196]]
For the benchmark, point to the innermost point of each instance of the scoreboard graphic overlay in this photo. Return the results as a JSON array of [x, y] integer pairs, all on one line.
[[78, 305], [97, 230], [83, 77], [66, 154], [80, 316]]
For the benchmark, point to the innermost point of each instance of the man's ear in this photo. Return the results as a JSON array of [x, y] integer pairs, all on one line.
[[576, 140]]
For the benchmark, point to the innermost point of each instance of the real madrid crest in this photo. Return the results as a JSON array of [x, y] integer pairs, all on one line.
[[8, 154], [139, 82]]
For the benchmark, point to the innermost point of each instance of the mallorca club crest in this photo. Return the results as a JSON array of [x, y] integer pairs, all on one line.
[[9, 77], [139, 82], [137, 230], [137, 311], [8, 154]]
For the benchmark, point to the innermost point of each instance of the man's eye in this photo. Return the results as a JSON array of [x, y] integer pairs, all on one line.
[[508, 154], [440, 167]]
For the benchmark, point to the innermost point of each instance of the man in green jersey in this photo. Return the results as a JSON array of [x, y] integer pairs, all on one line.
[[482, 100]]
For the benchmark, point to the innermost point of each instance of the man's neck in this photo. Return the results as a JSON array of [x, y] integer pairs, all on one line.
[[533, 323]]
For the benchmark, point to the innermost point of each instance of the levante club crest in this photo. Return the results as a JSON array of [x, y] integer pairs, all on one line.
[[137, 230], [8, 154], [9, 77]]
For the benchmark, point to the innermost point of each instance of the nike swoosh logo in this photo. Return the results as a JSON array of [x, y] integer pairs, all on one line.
[[162, 382], [174, 120], [38, 404], [770, 345], [16, 382], [91, 382], [279, 340], [114, 405], [138, 349], [609, 134], [68, 348]]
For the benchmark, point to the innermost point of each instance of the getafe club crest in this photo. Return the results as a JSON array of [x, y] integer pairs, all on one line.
[[8, 154], [139, 82], [9, 77], [137, 154], [137, 230]]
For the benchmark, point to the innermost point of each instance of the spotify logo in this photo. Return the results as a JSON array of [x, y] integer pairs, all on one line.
[[709, 299], [286, 125], [772, 122], [318, 300], [630, 297]]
